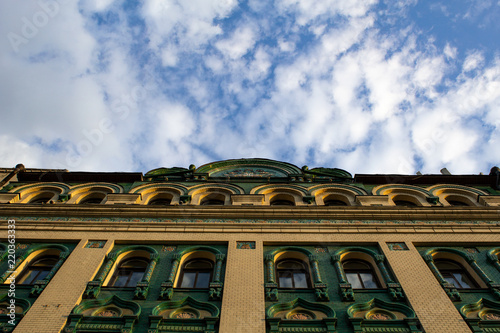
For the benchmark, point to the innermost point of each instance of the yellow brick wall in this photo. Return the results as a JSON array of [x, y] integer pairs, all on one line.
[[243, 303], [243, 299], [49, 312], [426, 296]]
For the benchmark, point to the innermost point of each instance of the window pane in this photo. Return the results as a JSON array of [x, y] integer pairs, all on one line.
[[300, 280], [121, 281], [462, 280], [368, 280], [285, 280], [354, 280], [135, 278], [42, 275], [203, 280], [188, 280], [451, 280], [30, 276]]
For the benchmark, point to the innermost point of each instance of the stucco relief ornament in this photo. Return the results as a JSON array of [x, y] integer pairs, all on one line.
[[491, 316], [185, 315], [379, 316], [300, 316], [248, 173], [108, 313]]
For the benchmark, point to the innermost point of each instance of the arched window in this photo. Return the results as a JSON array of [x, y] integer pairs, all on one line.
[[212, 202], [282, 203], [334, 202], [455, 274], [129, 272], [360, 274], [38, 269], [42, 199], [292, 274], [457, 203], [160, 202], [196, 274], [404, 203], [92, 200]]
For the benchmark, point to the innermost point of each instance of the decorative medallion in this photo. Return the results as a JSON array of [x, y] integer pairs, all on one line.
[[21, 246], [379, 316], [491, 315], [471, 250], [95, 244], [300, 316], [245, 245], [397, 246], [168, 248], [320, 249], [108, 313], [185, 315], [248, 172]]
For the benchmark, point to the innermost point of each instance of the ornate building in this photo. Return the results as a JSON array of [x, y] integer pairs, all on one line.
[[248, 245]]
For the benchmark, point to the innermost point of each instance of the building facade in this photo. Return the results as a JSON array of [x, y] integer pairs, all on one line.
[[248, 245]]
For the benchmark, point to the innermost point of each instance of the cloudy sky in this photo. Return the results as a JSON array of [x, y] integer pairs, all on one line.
[[370, 86]]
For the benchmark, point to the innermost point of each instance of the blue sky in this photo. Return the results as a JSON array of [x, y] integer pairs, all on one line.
[[370, 86]]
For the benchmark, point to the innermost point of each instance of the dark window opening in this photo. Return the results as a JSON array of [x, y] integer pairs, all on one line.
[[212, 202], [91, 201], [455, 274], [282, 203], [41, 200], [292, 274], [160, 202], [129, 272], [335, 203], [38, 270], [457, 203], [360, 274], [196, 274], [404, 203]]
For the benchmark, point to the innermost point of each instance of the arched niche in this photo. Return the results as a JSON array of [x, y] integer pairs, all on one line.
[[448, 194], [343, 193], [151, 192], [406, 193]]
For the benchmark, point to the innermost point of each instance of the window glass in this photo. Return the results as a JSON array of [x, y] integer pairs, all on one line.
[[285, 280], [455, 274], [360, 274], [129, 272], [368, 280], [354, 280], [37, 270], [196, 273], [203, 280], [292, 274]]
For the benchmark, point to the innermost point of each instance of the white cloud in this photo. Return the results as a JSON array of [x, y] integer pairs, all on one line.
[[472, 61], [326, 86], [241, 41]]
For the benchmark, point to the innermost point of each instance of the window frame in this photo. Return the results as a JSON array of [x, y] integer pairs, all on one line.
[[119, 269], [197, 271], [304, 270], [370, 270], [32, 266], [449, 273]]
